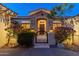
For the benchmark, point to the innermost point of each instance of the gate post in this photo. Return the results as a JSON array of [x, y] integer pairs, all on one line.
[[51, 38]]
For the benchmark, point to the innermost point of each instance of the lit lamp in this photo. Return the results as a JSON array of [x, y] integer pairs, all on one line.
[[33, 30], [50, 30]]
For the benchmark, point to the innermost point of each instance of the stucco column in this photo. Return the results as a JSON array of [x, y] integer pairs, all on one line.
[[51, 38]]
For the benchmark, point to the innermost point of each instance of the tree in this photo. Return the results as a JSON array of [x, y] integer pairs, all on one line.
[[60, 10], [62, 33], [15, 27], [12, 31]]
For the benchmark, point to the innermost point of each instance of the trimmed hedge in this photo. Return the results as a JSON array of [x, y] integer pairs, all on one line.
[[26, 39]]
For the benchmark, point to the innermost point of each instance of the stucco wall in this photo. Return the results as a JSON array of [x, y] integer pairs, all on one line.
[[75, 25], [3, 38], [76, 34]]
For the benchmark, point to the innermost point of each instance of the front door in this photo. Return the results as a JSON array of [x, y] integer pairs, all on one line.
[[42, 29], [41, 34], [41, 26]]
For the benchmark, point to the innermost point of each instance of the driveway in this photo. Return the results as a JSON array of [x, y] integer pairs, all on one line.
[[36, 52]]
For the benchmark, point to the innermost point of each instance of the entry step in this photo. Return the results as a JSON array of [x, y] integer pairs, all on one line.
[[41, 45], [41, 38]]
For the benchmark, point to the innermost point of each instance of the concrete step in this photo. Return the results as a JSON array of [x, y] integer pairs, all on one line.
[[41, 45], [41, 38]]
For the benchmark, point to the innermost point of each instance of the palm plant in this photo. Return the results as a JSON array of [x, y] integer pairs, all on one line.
[[61, 10]]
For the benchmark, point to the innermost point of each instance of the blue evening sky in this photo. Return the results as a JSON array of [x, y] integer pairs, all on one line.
[[23, 9]]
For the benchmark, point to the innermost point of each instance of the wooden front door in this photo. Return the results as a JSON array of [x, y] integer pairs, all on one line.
[[42, 36], [41, 26], [42, 29]]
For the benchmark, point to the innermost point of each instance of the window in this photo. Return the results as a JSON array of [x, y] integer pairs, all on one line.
[[56, 25], [26, 26]]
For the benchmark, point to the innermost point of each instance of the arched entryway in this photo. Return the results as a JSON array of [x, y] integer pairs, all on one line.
[[41, 31], [41, 25]]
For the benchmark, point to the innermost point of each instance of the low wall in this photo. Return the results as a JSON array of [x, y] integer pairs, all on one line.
[[51, 38], [76, 40]]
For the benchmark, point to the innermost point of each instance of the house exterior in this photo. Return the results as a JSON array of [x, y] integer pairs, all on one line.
[[39, 22]]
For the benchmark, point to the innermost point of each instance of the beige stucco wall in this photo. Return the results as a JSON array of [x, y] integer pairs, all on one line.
[[75, 27], [76, 34], [3, 38]]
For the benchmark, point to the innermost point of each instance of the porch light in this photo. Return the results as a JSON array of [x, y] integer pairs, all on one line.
[[33, 30], [51, 30]]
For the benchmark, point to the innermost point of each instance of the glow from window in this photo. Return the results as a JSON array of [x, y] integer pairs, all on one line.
[[25, 26]]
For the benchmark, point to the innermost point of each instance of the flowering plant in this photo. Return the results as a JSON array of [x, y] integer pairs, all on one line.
[[62, 33]]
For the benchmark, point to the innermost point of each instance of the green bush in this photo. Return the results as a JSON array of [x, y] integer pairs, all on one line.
[[26, 39], [62, 33]]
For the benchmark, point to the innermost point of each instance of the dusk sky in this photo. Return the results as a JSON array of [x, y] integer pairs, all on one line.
[[23, 9]]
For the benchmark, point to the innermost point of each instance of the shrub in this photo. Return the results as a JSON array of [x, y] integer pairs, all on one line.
[[62, 33], [26, 39]]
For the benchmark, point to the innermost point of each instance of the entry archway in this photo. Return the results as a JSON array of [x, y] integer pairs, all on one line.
[[41, 25]]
